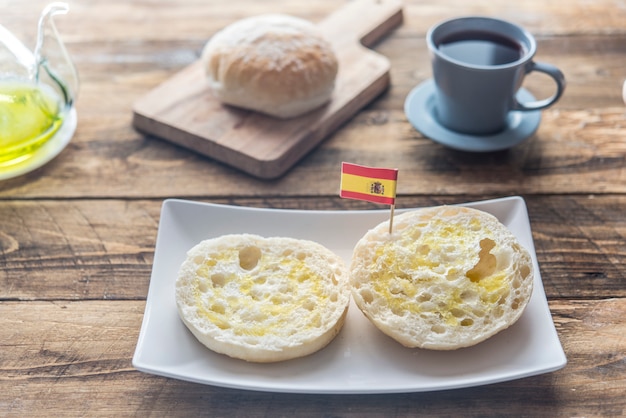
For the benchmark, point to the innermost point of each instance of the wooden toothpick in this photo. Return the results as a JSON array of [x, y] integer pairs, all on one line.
[[393, 207]]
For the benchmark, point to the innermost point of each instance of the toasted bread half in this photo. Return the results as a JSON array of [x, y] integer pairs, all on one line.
[[262, 299], [445, 278]]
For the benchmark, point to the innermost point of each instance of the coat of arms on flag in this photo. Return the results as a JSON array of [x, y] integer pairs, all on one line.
[[368, 183]]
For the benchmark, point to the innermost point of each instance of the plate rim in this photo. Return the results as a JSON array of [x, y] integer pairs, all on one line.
[[139, 363]]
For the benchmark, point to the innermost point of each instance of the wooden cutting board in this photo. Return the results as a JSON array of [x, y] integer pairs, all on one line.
[[183, 111]]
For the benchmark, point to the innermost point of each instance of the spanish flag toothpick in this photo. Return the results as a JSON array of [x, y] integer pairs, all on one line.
[[373, 184]]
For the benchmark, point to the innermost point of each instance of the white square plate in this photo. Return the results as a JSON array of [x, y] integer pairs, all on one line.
[[360, 359]]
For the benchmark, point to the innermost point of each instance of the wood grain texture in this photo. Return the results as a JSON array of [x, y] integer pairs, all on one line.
[[577, 149], [103, 249], [74, 358], [77, 236], [572, 152]]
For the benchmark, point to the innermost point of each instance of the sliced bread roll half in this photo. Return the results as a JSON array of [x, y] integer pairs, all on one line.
[[447, 277], [262, 299]]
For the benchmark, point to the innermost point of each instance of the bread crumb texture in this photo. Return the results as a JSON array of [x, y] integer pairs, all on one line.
[[262, 299], [447, 277]]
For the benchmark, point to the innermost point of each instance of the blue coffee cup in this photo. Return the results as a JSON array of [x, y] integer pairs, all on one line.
[[479, 64]]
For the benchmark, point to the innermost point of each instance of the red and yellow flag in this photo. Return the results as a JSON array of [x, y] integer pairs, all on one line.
[[368, 183]]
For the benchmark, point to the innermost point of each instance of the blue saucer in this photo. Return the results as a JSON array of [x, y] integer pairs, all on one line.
[[419, 108]]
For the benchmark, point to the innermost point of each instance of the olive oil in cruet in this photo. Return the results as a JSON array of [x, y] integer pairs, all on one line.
[[29, 117]]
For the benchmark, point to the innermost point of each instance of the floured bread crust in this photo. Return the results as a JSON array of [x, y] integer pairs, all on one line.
[[262, 299], [447, 277], [276, 64]]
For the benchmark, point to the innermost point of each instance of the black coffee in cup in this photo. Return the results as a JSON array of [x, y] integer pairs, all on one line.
[[481, 48], [479, 64]]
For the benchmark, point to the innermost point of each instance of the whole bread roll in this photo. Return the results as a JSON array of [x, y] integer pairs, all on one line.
[[276, 64], [447, 277], [262, 299]]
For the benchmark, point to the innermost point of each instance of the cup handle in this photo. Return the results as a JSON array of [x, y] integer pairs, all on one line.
[[559, 79]]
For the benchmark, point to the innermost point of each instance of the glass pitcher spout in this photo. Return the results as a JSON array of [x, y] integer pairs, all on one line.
[[48, 64], [53, 65]]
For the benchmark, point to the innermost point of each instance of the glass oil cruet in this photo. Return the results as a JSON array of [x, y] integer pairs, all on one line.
[[37, 93]]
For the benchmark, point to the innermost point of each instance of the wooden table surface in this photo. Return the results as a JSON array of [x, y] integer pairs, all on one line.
[[77, 236]]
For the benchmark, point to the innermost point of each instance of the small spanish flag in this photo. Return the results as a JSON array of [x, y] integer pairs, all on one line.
[[368, 183]]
